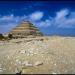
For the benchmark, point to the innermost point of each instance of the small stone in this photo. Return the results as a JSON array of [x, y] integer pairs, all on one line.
[[0, 65], [32, 54], [29, 65], [23, 71], [42, 56], [28, 54], [8, 57], [35, 53], [38, 63], [22, 52], [54, 73], [18, 61], [55, 64], [1, 70], [26, 63], [31, 51], [17, 71]]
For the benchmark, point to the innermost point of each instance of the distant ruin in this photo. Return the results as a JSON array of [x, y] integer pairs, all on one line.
[[25, 29]]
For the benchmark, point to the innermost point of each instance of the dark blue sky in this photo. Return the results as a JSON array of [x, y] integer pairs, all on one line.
[[52, 18]]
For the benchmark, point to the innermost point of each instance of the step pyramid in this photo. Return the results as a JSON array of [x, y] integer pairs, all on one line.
[[26, 28]]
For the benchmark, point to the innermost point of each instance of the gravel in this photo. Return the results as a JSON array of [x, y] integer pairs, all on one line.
[[52, 55]]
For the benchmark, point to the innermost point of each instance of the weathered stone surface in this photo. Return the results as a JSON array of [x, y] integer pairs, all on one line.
[[22, 51], [56, 55], [18, 62], [38, 63], [28, 64], [24, 30], [18, 71], [1, 68]]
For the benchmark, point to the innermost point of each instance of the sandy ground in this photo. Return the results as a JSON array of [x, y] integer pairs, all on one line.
[[56, 55]]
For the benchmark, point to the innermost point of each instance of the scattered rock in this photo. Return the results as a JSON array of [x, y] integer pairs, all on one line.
[[29, 65], [54, 73], [32, 54], [18, 42], [18, 71], [18, 61], [41, 39], [35, 53], [38, 63], [55, 64], [0, 65], [26, 63], [28, 54], [31, 51], [8, 57], [1, 70], [22, 51], [42, 56]]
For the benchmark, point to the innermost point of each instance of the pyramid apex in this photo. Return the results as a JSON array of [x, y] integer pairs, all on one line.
[[25, 21]]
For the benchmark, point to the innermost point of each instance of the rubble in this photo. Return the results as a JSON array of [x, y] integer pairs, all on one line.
[[28, 64], [48, 56], [38, 63], [22, 51], [1, 68], [54, 73], [18, 61]]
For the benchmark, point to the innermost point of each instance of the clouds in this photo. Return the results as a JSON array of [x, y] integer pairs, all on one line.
[[45, 23], [10, 21], [64, 18], [61, 14], [36, 16]]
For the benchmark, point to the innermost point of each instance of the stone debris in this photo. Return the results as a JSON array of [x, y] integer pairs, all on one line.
[[1, 69], [18, 42], [22, 51], [35, 53], [18, 61], [28, 64], [55, 64], [54, 73], [17, 71], [29, 56], [38, 63], [7, 57], [31, 51], [0, 65], [25, 62]]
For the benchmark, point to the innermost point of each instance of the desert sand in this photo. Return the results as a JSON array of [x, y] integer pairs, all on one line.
[[40, 55]]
